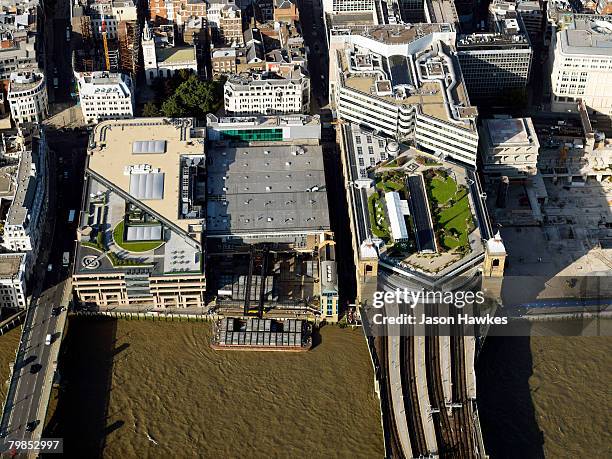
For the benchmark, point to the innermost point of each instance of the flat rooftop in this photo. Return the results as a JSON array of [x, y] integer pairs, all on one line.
[[588, 35], [266, 189], [122, 149], [511, 131], [392, 34], [176, 54], [428, 95], [10, 263]]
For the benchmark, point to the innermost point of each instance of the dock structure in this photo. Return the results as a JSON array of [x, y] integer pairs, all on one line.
[[262, 334]]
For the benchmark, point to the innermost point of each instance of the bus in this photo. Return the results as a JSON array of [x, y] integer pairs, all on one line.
[[66, 259], [71, 215]]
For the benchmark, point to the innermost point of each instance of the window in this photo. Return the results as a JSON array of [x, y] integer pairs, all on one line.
[[359, 151], [381, 143], [369, 139]]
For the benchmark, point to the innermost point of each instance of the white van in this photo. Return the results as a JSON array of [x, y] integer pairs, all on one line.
[[48, 339]]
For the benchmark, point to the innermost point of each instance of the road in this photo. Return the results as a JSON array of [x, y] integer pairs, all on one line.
[[35, 365], [58, 52]]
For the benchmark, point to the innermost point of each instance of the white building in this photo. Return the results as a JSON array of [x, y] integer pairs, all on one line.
[[404, 83], [13, 280], [330, 6], [509, 147], [582, 64], [25, 220], [163, 60], [268, 93], [27, 96], [105, 96]]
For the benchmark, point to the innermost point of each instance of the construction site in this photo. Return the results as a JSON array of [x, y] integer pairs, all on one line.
[[97, 45]]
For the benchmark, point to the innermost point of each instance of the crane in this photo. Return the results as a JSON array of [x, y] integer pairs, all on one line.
[[105, 42]]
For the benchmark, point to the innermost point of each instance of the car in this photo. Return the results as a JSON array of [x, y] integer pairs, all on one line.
[[30, 426], [35, 368], [58, 310], [48, 339]]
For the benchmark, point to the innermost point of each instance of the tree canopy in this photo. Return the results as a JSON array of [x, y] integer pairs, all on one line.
[[185, 95]]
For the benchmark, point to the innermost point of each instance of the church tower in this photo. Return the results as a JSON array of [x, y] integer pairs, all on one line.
[[495, 257], [148, 53]]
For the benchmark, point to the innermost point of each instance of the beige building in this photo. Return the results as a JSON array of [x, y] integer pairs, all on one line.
[[141, 222], [230, 26]]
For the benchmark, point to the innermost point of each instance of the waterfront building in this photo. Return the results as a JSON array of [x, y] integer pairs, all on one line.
[[141, 224], [13, 281]]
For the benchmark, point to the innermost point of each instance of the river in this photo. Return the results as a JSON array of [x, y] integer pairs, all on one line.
[[546, 396]]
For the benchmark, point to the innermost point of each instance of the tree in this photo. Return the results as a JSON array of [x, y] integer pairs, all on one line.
[[150, 110], [171, 108]]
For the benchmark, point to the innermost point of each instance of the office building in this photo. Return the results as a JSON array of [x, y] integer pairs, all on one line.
[[266, 192], [13, 293], [498, 62], [283, 128], [404, 82], [340, 6], [27, 97], [142, 218], [509, 147], [105, 96], [27, 191], [18, 38], [582, 62], [268, 93]]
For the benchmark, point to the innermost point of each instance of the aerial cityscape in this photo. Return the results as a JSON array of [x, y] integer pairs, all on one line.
[[323, 228]]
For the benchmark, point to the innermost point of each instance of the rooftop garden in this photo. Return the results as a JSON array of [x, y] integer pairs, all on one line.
[[451, 211], [378, 222], [138, 246], [390, 182]]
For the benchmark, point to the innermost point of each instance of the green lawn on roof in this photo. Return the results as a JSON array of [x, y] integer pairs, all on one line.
[[458, 217], [443, 189], [140, 246]]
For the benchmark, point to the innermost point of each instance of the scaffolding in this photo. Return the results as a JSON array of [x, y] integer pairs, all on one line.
[[128, 34]]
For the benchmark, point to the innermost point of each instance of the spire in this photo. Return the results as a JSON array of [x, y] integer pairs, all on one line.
[[147, 32]]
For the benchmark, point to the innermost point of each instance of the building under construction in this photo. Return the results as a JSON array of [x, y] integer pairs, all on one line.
[[95, 49]]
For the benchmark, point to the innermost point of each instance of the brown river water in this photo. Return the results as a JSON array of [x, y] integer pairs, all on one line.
[[138, 389], [156, 389]]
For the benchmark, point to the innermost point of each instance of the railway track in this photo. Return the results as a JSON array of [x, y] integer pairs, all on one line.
[[463, 415], [393, 446], [411, 397]]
